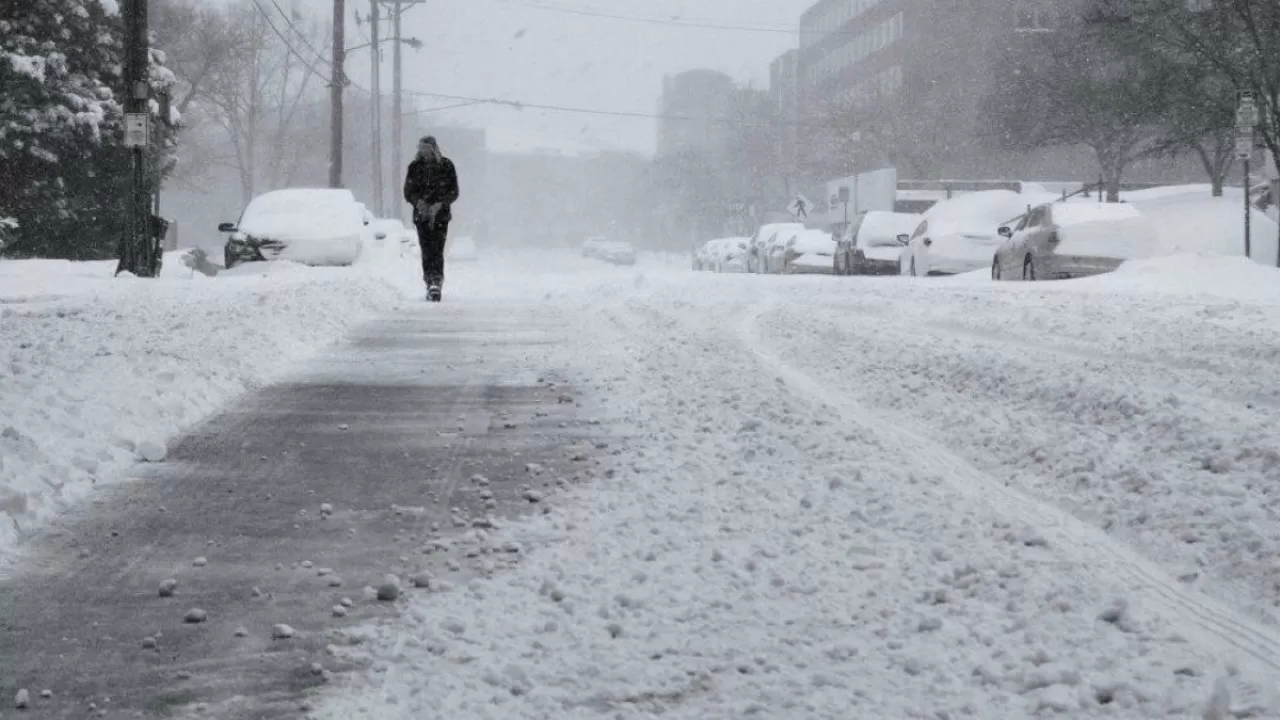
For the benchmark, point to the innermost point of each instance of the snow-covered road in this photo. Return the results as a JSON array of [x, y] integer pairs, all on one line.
[[889, 498], [819, 498]]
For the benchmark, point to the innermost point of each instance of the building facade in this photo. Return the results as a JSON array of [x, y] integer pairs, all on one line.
[[692, 112], [784, 96], [912, 77]]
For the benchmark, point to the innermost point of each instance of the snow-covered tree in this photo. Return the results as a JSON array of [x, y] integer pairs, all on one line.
[[63, 170]]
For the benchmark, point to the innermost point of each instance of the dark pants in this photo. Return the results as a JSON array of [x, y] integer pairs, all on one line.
[[432, 240]]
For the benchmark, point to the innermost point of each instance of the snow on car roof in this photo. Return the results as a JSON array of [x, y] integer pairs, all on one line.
[[303, 212], [769, 229], [980, 212], [881, 228], [1070, 213], [808, 241], [302, 199]]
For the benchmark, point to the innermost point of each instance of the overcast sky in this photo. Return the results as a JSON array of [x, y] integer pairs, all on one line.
[[527, 50]]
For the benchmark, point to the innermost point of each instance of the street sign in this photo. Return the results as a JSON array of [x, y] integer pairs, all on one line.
[[799, 207], [1247, 111], [137, 130], [1244, 144]]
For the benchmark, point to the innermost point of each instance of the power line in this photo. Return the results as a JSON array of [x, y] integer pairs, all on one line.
[[292, 51], [289, 21], [675, 21], [455, 106], [466, 100]]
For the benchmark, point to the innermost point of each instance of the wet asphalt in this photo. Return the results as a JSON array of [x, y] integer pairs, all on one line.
[[390, 430]]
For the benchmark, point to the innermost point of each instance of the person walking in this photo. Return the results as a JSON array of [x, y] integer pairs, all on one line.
[[431, 187]]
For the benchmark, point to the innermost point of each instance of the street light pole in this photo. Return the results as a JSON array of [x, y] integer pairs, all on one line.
[[1246, 120], [399, 8], [336, 83], [397, 101], [1248, 214], [375, 65]]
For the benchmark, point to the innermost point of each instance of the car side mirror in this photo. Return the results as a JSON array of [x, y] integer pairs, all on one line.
[[380, 236], [904, 239], [1005, 232], [227, 227]]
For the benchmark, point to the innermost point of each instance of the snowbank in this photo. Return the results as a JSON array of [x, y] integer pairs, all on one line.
[[1190, 220], [97, 373], [1194, 274]]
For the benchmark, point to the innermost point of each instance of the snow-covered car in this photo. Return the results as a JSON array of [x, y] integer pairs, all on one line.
[[757, 247], [461, 249], [808, 252], [721, 255], [593, 246], [961, 234], [618, 252], [870, 244], [310, 226], [1073, 239], [703, 257], [731, 255], [773, 253]]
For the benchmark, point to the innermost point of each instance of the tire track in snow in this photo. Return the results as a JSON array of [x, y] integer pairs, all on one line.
[[1199, 618]]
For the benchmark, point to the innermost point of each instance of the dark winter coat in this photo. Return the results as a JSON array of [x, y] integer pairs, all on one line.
[[435, 181]]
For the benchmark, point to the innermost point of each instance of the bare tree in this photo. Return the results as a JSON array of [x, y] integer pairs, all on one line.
[[1200, 120], [252, 76], [1237, 40], [875, 130], [1088, 84]]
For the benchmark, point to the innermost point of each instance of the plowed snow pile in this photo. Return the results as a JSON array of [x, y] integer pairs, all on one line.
[[97, 373]]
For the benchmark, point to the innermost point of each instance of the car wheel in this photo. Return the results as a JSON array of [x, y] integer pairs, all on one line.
[[1028, 269], [913, 268], [839, 264], [228, 258], [995, 269]]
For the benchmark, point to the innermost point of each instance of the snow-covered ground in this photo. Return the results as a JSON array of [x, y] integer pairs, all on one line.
[[97, 373], [880, 497], [827, 497]]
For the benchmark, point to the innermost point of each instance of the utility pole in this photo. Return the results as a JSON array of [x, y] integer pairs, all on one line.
[[397, 107], [1247, 116], [139, 252], [399, 8], [336, 83], [375, 65]]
